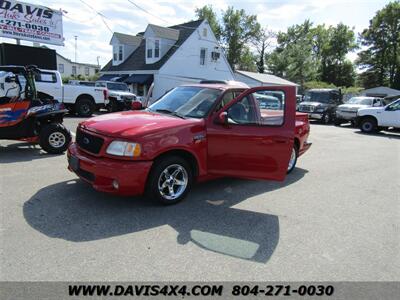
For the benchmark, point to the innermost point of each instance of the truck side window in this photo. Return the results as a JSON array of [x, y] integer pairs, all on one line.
[[46, 77], [228, 96], [264, 109]]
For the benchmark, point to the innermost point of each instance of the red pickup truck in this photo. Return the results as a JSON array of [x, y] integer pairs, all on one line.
[[193, 133]]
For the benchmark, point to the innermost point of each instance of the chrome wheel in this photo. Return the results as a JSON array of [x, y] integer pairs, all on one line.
[[292, 160], [172, 182], [57, 139]]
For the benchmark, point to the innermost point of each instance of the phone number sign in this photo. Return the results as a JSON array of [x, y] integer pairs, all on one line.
[[19, 20]]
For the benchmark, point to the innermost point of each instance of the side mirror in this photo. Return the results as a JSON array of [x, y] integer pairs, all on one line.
[[222, 118], [136, 105]]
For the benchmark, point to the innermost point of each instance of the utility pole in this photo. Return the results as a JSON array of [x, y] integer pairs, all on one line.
[[76, 41]]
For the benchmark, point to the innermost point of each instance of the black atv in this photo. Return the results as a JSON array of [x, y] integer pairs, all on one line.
[[27, 115]]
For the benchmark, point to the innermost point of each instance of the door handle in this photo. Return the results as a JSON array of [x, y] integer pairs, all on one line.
[[280, 140]]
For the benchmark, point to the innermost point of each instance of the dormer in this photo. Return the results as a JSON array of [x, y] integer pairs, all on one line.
[[123, 45], [158, 41]]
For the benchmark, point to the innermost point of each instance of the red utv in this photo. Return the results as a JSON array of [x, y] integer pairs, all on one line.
[[27, 115]]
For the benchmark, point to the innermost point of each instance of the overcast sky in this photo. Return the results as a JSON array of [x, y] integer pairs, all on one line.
[[123, 16]]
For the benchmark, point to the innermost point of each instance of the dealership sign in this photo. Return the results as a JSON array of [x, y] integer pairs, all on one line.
[[19, 20]]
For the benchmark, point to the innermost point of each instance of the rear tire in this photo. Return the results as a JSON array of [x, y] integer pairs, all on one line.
[[84, 107], [54, 138], [170, 180], [368, 125], [293, 159]]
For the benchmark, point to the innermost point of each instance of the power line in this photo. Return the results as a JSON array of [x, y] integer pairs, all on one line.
[[147, 12], [100, 14]]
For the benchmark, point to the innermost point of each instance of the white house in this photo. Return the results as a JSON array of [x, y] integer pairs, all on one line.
[[167, 56], [66, 67], [253, 79]]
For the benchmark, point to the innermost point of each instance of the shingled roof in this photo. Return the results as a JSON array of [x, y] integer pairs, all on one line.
[[137, 60], [165, 32], [127, 39]]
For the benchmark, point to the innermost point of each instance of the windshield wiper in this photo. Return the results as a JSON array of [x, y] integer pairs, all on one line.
[[173, 113]]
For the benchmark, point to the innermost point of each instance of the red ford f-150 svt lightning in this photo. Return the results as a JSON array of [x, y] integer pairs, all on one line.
[[193, 133]]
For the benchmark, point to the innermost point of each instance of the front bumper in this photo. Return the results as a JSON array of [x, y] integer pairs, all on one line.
[[349, 116], [101, 172], [314, 115]]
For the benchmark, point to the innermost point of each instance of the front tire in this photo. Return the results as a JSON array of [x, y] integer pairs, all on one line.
[[54, 138], [326, 118], [368, 125], [84, 107], [170, 180]]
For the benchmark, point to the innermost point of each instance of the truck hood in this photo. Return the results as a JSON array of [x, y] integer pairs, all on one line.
[[371, 109], [352, 107], [120, 93], [313, 103], [135, 123]]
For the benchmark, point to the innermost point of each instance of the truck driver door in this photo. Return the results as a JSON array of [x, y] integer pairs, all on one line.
[[252, 136]]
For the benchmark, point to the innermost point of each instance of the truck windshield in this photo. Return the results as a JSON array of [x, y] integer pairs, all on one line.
[[117, 86], [360, 100], [322, 97], [187, 101]]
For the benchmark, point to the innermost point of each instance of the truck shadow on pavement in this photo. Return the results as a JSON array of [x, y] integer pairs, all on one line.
[[73, 211], [22, 151]]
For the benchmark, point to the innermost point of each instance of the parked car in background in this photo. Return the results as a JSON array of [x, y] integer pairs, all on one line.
[[374, 119], [193, 133], [348, 112], [320, 104], [119, 96], [83, 100], [268, 102]]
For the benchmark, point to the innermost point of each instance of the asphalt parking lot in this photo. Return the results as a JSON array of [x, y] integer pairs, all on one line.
[[336, 217]]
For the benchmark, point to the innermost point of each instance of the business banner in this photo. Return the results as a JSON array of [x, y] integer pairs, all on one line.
[[19, 20]]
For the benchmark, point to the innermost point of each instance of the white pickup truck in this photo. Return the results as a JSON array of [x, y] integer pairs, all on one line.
[[374, 119], [83, 100]]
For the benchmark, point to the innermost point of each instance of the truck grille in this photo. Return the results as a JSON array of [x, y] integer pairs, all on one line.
[[306, 108], [89, 142]]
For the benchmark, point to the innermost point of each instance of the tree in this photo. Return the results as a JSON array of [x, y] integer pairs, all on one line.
[[237, 30], [335, 43], [307, 53], [381, 60], [262, 42], [293, 57], [207, 13], [247, 61]]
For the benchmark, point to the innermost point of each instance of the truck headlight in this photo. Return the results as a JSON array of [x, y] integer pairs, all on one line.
[[120, 148]]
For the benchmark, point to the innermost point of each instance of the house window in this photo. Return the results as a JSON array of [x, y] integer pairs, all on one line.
[[205, 32], [61, 68], [157, 49], [73, 70], [149, 53], [87, 71], [120, 53], [115, 57], [203, 53]]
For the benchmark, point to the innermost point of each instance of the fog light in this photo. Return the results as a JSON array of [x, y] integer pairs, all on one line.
[[115, 184]]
